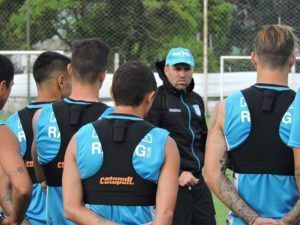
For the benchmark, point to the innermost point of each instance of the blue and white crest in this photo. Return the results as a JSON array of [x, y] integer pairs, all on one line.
[[197, 110]]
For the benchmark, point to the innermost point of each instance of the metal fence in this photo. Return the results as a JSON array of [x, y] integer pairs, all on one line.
[[144, 29]]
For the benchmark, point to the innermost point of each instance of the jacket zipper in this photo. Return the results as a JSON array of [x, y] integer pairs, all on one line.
[[192, 132]]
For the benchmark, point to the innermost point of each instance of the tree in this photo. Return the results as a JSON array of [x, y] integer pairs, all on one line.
[[136, 29], [252, 14], [7, 37]]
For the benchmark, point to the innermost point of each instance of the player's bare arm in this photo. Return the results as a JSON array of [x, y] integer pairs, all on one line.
[[13, 166], [215, 167], [293, 216], [167, 185], [39, 172], [73, 194], [5, 193]]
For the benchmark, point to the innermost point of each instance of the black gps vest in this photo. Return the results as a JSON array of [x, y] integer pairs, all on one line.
[[70, 117], [117, 183], [264, 152], [26, 116]]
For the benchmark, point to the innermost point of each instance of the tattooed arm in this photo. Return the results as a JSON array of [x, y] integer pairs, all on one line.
[[294, 215], [5, 193], [72, 192], [13, 166], [215, 167]]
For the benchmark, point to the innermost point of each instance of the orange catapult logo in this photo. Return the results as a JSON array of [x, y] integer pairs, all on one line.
[[29, 164], [60, 165], [116, 180]]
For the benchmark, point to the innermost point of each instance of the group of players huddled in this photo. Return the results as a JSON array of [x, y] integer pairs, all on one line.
[[68, 158]]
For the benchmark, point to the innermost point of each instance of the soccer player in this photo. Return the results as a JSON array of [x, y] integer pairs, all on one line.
[[294, 142], [121, 165], [55, 124], [53, 83], [12, 168], [180, 110], [249, 134]]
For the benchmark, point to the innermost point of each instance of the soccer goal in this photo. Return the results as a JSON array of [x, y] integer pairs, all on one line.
[[237, 73]]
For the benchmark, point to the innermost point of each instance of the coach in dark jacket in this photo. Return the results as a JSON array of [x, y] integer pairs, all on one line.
[[180, 110]]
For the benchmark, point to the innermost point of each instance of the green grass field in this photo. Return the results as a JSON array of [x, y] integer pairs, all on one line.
[[221, 210]]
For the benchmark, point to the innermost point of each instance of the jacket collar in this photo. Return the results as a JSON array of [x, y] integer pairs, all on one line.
[[160, 70]]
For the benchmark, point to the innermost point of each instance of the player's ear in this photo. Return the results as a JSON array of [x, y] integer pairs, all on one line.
[[147, 102], [254, 59], [3, 86], [60, 81], [149, 97], [70, 69], [292, 60], [64, 84], [102, 75], [152, 95]]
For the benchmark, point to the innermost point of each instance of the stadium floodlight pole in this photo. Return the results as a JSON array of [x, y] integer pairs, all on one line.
[[205, 74], [28, 47]]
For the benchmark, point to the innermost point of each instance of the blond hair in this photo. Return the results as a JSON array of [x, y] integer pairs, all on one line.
[[274, 44]]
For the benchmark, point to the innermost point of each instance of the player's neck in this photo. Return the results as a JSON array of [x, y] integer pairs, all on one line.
[[86, 92], [277, 77], [48, 95], [135, 111]]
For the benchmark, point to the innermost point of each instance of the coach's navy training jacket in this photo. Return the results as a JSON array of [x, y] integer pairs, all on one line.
[[182, 114]]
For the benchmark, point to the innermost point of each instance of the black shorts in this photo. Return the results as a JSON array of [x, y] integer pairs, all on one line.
[[194, 206]]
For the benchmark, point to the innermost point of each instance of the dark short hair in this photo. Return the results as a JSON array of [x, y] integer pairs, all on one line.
[[131, 82], [47, 63], [274, 44], [6, 70], [89, 58]]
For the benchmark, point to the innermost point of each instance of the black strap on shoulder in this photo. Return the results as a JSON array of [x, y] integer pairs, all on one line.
[[70, 117], [119, 139], [26, 116], [119, 131], [268, 100], [264, 152]]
